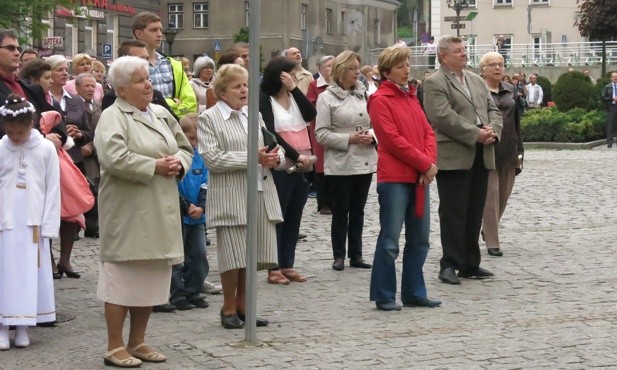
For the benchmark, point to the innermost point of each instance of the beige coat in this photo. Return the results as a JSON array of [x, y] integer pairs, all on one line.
[[454, 116], [139, 212]]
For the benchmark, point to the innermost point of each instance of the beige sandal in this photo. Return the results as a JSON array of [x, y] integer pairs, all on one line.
[[276, 277], [147, 357], [111, 360], [293, 275]]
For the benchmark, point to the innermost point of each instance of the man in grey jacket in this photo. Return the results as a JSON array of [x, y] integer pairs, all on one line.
[[467, 123]]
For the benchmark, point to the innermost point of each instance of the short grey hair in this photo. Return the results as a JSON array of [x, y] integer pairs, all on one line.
[[201, 63], [56, 61], [7, 34], [445, 42], [323, 60], [80, 78], [122, 70]]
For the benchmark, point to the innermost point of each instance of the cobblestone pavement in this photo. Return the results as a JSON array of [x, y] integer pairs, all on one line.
[[551, 305]]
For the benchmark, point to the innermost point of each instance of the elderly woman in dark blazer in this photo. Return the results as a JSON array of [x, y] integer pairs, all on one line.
[[507, 150], [286, 112], [143, 152], [222, 143], [73, 110]]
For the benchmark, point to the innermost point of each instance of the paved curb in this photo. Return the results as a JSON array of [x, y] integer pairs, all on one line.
[[550, 145]]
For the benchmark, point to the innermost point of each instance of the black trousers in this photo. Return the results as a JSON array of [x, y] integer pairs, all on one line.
[[462, 194], [348, 201], [611, 120], [324, 190]]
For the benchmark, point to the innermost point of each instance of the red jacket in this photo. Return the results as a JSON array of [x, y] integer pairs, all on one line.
[[318, 149], [406, 141]]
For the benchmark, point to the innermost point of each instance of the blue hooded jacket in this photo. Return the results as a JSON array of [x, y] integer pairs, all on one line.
[[194, 187]]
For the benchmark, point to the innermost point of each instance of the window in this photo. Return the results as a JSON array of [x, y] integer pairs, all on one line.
[[377, 29], [502, 2], [70, 41], [303, 9], [111, 22], [200, 12], [89, 36], [472, 3], [329, 21], [343, 25], [176, 15], [539, 2], [247, 13]]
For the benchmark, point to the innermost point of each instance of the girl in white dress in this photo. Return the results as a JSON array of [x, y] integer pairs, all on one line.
[[29, 216]]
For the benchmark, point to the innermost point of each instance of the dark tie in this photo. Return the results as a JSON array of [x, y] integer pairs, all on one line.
[[89, 105]]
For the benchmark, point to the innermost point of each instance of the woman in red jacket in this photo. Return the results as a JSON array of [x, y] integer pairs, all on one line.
[[407, 155]]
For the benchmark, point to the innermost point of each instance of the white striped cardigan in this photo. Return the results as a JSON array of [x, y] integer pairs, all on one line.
[[223, 146]]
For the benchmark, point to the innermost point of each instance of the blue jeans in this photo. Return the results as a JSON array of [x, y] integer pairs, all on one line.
[[187, 278], [396, 206]]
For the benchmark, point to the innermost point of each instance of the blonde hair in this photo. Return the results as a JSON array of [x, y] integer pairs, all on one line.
[[97, 64], [188, 123], [341, 63], [489, 56], [225, 75], [77, 59], [390, 57]]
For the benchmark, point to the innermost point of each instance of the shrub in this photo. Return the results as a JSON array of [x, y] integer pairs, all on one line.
[[551, 125], [574, 90], [545, 83]]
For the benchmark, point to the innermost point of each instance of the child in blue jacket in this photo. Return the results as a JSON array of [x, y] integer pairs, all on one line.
[[187, 279]]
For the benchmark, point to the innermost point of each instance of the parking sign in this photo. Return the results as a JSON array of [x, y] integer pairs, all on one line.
[[106, 51]]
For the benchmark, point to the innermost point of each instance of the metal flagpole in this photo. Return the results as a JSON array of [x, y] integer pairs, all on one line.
[[251, 216]]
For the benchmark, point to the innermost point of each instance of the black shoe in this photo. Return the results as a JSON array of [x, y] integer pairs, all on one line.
[[164, 308], [388, 306], [359, 263], [422, 302], [495, 252], [301, 236], [477, 273], [199, 302], [231, 321], [89, 233], [339, 264], [69, 274], [184, 305], [609, 145], [258, 320], [56, 275], [448, 276]]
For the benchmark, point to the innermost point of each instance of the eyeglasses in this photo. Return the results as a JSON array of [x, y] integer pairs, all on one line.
[[495, 64], [11, 48]]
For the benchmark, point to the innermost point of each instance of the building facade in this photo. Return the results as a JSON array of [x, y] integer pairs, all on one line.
[[516, 21], [316, 27], [96, 27]]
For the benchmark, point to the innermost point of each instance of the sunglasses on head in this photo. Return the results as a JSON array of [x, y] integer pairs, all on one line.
[[11, 48]]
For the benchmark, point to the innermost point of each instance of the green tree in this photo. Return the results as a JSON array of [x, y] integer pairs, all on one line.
[[597, 21], [26, 16], [242, 35]]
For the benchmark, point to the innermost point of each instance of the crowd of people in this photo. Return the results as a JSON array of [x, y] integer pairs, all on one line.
[[163, 154]]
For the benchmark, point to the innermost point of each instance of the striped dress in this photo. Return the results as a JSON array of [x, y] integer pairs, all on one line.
[[222, 143]]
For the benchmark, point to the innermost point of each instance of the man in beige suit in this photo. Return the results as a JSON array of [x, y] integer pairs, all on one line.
[[467, 123], [301, 75]]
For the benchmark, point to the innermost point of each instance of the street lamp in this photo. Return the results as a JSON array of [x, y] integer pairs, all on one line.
[[457, 5], [170, 35]]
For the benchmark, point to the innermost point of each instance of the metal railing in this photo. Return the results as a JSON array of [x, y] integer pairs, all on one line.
[[526, 55]]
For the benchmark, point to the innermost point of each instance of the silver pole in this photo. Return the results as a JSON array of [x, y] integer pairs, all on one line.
[[251, 207]]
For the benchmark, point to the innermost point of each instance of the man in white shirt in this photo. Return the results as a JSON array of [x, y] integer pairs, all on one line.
[[534, 92]]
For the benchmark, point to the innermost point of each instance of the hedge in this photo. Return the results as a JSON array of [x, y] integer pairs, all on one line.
[[576, 125]]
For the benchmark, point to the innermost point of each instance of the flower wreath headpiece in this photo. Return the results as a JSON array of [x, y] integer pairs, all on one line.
[[4, 111]]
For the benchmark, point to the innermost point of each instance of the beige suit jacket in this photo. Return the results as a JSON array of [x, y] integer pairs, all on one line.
[[454, 115]]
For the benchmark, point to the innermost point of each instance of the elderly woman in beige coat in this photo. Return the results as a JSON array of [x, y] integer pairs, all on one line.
[[222, 143], [342, 127], [143, 153]]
